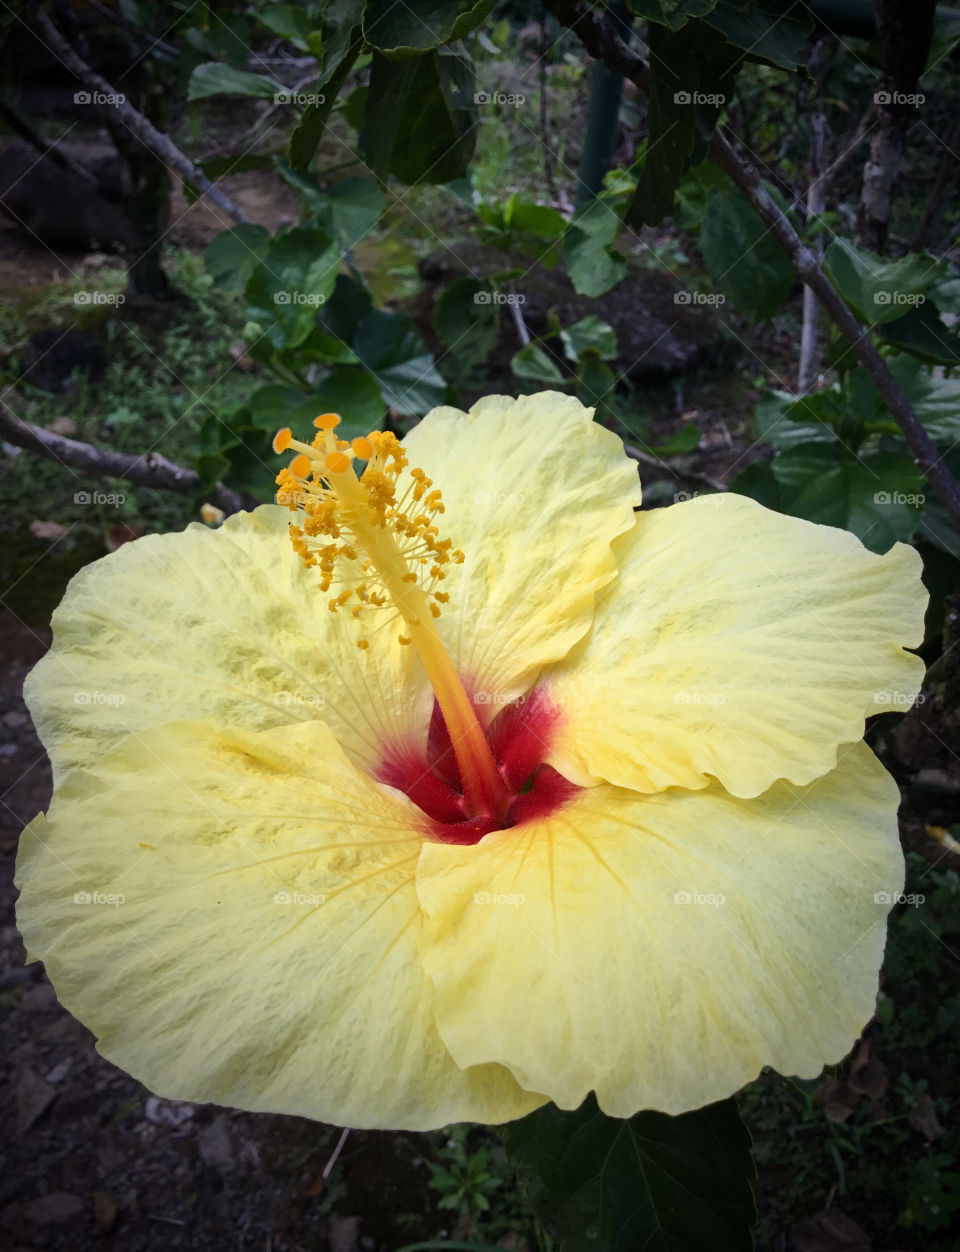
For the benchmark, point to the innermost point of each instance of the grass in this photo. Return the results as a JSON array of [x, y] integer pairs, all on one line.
[[157, 390], [880, 1166]]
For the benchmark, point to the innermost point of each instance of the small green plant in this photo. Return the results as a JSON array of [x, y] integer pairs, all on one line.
[[464, 1179]]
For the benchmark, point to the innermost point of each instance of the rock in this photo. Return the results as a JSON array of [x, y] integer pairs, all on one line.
[[657, 337], [216, 1145], [34, 1097], [53, 358], [342, 1233], [829, 1231], [60, 208], [59, 1072], [167, 1112], [55, 1209]]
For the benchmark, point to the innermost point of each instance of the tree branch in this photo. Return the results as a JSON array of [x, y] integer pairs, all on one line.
[[596, 37], [151, 470], [600, 39], [144, 130], [809, 271]]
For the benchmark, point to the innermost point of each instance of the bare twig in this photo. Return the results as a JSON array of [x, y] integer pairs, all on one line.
[[600, 39], [328, 1168], [811, 272], [945, 175], [690, 476], [542, 78], [596, 37], [151, 470], [816, 203], [144, 130], [905, 30]]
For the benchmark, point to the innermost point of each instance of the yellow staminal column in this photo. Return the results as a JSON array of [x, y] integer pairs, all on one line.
[[483, 786]]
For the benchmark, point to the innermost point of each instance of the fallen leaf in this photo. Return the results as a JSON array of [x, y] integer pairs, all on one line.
[[57, 1208], [34, 1097], [923, 1117], [829, 1231], [837, 1099], [868, 1075], [120, 534], [104, 1212], [63, 426], [50, 531]]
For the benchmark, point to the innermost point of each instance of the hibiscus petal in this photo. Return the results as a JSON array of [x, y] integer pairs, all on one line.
[[661, 949], [264, 951], [535, 491], [225, 623], [736, 643]]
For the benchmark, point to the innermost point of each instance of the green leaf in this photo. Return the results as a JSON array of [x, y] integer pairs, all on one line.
[[354, 394], [691, 79], [936, 401], [225, 40], [309, 130], [347, 390], [880, 291], [693, 195], [292, 283], [348, 210], [672, 127], [215, 79], [289, 22], [743, 258], [663, 1184], [921, 333], [346, 308], [687, 439], [672, 13], [277, 405], [936, 525], [759, 483], [945, 292], [233, 255], [533, 219], [391, 348], [467, 321], [356, 204], [785, 421], [217, 167], [592, 264], [421, 121], [774, 31], [589, 335], [399, 31], [596, 384], [532, 362], [238, 452], [354, 108], [877, 494]]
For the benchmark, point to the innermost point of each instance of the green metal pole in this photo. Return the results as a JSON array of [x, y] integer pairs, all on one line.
[[601, 137]]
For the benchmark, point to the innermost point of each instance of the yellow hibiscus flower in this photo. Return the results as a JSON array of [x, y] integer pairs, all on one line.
[[586, 811]]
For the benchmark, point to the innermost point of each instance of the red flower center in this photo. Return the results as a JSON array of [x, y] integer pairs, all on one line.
[[519, 736]]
